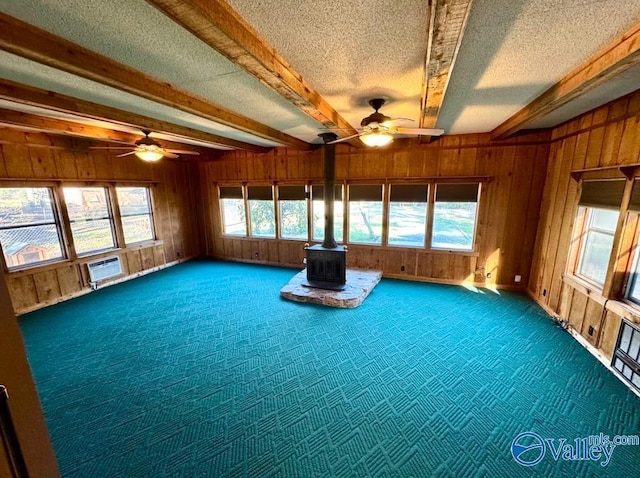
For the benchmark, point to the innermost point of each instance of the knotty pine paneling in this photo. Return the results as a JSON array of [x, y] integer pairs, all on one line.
[[508, 210], [608, 136], [32, 156]]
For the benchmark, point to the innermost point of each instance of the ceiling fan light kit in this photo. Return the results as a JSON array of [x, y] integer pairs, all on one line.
[[377, 130], [149, 150], [149, 156], [376, 140]]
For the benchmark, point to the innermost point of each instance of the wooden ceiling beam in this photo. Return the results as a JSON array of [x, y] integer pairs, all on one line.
[[447, 22], [615, 58], [223, 29], [33, 122], [31, 96], [27, 41]]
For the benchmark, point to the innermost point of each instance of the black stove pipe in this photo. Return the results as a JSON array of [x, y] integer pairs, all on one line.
[[329, 188]]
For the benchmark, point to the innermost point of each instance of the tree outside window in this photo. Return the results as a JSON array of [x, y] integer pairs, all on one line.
[[293, 212], [365, 214], [261, 211]]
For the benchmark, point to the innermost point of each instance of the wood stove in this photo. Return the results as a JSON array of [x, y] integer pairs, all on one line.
[[327, 263]]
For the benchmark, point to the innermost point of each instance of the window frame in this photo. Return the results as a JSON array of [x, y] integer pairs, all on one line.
[[306, 200], [117, 212], [432, 215], [274, 204], [584, 231], [384, 186], [111, 203], [427, 213], [58, 222], [245, 205], [312, 212], [633, 272]]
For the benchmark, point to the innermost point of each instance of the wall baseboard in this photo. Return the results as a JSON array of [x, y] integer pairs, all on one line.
[[597, 353], [87, 290], [431, 280]]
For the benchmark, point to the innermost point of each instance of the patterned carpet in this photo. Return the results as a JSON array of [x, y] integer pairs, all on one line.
[[202, 370]]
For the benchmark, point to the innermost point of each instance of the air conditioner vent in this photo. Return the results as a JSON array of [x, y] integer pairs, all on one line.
[[104, 268]]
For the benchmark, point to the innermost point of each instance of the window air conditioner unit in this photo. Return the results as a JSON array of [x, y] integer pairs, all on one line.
[[104, 268]]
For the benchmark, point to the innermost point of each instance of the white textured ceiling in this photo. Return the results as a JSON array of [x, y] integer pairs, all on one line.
[[514, 50], [348, 50]]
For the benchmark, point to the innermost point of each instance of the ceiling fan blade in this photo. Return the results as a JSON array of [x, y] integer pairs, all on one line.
[[167, 154], [344, 139], [399, 119], [420, 131], [126, 154], [180, 151], [113, 147]]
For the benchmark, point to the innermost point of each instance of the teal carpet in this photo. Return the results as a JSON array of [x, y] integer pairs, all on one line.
[[202, 370]]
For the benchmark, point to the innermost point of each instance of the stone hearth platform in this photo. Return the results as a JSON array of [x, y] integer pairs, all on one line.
[[359, 285]]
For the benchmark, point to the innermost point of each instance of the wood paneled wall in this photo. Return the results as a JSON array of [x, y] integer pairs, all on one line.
[[605, 137], [508, 210], [40, 157]]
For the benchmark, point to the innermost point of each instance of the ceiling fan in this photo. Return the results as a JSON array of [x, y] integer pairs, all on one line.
[[148, 150], [378, 129]]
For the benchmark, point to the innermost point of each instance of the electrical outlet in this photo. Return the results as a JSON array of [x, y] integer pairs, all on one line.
[[591, 330], [256, 255], [544, 292], [517, 279], [177, 254], [402, 268]]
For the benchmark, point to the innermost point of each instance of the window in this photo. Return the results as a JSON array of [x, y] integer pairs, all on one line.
[[407, 214], [29, 233], [261, 211], [317, 203], [597, 241], [633, 288], [293, 212], [596, 224], [365, 214], [135, 213], [90, 219], [454, 216], [233, 215]]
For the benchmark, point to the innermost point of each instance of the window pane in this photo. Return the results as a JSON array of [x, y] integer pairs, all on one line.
[[407, 223], [293, 219], [135, 211], [604, 219], [137, 229], [233, 217], [635, 346], [86, 203], [31, 244], [365, 222], [595, 256], [453, 225], [90, 236], [24, 206], [30, 232], [597, 244], [318, 221], [133, 201], [262, 216], [89, 216], [633, 291]]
